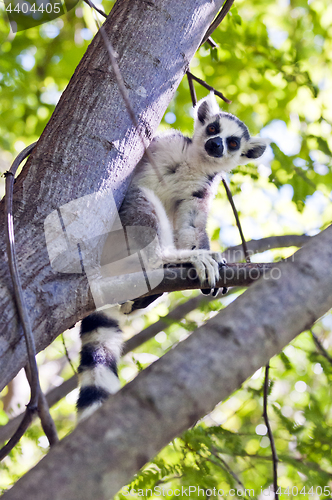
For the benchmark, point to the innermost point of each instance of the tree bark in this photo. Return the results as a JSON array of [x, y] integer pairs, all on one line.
[[169, 396], [91, 146]]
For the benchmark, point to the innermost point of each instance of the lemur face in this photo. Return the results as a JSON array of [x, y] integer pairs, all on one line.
[[222, 138]]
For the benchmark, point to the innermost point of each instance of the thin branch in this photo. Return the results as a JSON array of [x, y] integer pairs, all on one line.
[[67, 354], [236, 254], [220, 17], [192, 88], [46, 420], [36, 402], [93, 6], [226, 467], [212, 43], [207, 86], [283, 459], [236, 215], [185, 278], [24, 425], [12, 262], [270, 434], [53, 397], [320, 347]]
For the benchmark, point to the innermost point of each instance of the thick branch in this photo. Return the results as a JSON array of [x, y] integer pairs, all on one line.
[[90, 146], [186, 383], [57, 393]]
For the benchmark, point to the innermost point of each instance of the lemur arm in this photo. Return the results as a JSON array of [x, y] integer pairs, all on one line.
[[190, 229], [190, 225]]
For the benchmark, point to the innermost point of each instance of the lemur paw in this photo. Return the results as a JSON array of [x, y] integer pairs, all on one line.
[[207, 267], [206, 264]]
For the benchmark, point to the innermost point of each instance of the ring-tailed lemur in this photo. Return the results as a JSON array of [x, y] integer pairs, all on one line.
[[177, 209]]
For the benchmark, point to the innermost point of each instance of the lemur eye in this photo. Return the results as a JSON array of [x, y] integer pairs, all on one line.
[[211, 129], [233, 143]]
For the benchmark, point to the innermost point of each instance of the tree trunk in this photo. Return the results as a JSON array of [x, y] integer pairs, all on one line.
[[91, 146], [104, 452]]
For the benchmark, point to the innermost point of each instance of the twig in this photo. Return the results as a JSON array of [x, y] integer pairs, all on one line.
[[212, 43], [222, 14], [227, 468], [46, 420], [321, 348], [90, 4], [269, 431], [207, 86], [25, 423], [18, 294], [19, 300], [124, 93], [21, 307], [191, 88], [238, 223], [67, 354]]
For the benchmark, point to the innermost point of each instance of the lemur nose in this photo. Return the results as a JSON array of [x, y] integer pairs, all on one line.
[[214, 147]]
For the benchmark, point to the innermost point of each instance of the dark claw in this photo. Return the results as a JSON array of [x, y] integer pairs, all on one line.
[[209, 291]]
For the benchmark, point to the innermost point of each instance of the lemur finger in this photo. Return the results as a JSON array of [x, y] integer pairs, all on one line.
[[200, 266], [212, 270]]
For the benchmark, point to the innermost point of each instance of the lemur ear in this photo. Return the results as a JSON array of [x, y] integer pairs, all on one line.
[[253, 149], [206, 108]]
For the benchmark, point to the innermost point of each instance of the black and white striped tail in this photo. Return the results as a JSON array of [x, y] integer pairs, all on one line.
[[101, 349]]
